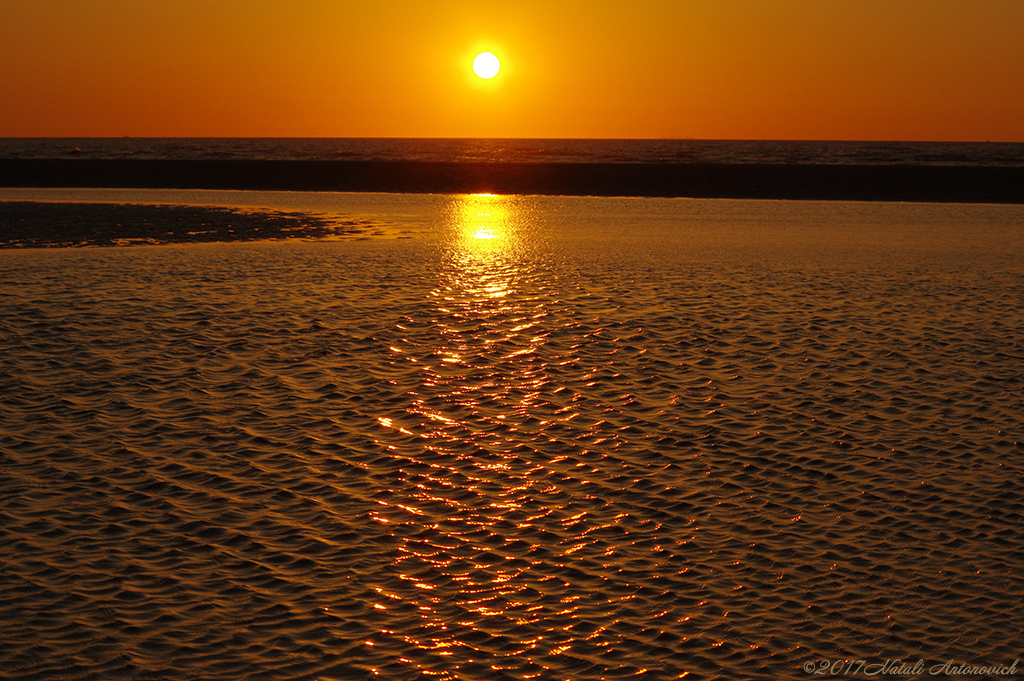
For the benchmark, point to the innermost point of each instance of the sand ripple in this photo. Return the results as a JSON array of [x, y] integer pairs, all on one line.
[[504, 454]]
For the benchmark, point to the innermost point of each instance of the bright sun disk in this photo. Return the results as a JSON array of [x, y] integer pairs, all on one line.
[[486, 65]]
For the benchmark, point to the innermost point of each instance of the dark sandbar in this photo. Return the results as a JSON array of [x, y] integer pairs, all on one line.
[[29, 224], [964, 184]]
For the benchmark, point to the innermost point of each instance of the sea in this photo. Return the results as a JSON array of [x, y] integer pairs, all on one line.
[[517, 437], [999, 154]]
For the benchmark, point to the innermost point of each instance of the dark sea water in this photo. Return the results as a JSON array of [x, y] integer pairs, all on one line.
[[517, 438], [541, 151]]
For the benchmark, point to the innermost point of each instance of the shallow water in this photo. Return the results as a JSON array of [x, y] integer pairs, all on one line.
[[545, 438]]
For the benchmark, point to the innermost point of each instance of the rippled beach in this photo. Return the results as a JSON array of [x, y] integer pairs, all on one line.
[[498, 437]]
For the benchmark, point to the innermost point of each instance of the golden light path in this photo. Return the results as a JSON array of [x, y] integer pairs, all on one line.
[[510, 551], [478, 491]]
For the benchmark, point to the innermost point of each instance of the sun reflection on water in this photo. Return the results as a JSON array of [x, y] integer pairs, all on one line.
[[459, 441], [498, 533], [484, 246]]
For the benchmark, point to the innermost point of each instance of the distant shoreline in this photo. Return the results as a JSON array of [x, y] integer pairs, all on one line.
[[914, 183]]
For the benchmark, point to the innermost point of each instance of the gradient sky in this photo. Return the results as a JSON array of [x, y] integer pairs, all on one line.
[[711, 69]]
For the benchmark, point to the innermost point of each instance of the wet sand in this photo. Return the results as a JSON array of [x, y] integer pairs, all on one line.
[[31, 224], [551, 438], [965, 184]]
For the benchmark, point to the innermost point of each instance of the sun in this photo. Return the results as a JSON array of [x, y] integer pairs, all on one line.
[[486, 65]]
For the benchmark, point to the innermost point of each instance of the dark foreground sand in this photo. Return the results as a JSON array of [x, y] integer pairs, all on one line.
[[29, 224], [704, 180]]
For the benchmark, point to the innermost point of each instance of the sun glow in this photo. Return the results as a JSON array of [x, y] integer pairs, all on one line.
[[486, 65]]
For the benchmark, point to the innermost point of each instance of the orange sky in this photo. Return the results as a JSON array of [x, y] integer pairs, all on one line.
[[713, 69]]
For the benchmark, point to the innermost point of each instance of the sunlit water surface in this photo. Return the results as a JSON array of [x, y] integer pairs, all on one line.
[[546, 438]]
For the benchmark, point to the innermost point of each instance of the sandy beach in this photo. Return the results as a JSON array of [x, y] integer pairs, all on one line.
[[545, 437]]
